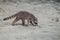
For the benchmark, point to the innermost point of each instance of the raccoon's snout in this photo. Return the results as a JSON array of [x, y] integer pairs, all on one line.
[[36, 23]]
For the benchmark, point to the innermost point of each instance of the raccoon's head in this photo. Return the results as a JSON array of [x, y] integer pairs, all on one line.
[[35, 21]]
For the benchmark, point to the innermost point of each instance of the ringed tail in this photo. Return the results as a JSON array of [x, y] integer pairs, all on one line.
[[7, 18]]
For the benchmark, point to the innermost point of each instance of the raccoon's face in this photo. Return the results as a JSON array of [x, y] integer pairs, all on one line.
[[35, 21]]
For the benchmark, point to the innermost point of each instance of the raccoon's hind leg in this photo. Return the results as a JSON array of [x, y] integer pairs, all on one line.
[[16, 19]]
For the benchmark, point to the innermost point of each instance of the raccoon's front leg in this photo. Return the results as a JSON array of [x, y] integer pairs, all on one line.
[[32, 23]]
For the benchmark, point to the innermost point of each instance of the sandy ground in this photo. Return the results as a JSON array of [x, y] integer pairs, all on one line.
[[47, 30]]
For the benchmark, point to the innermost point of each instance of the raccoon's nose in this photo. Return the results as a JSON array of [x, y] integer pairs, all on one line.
[[36, 23]]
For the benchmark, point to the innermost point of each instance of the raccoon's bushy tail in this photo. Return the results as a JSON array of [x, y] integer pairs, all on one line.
[[7, 18]]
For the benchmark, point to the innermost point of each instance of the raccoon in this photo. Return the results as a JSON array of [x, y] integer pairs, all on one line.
[[23, 15]]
